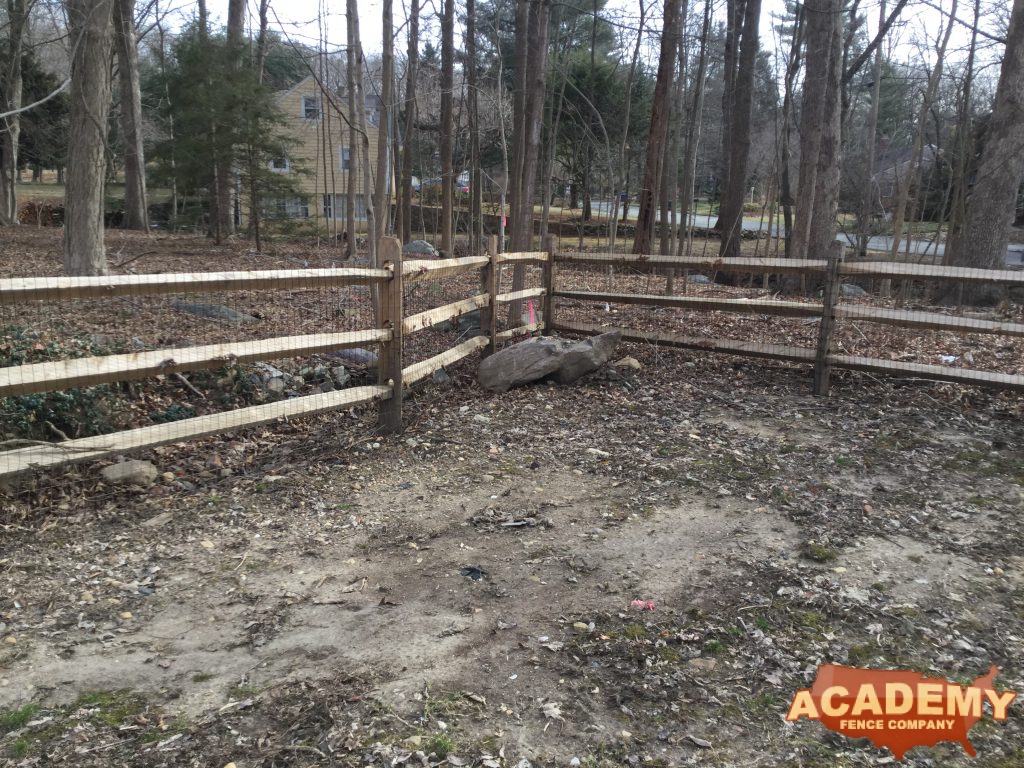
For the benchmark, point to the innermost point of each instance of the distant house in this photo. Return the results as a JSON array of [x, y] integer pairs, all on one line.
[[891, 169], [320, 157]]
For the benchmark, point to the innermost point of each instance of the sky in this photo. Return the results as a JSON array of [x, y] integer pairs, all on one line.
[[307, 20]]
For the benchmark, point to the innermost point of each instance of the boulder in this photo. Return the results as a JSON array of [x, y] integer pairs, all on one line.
[[355, 356], [561, 359], [420, 249], [214, 312], [132, 472]]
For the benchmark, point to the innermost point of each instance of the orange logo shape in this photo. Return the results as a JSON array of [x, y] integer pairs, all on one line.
[[896, 709]]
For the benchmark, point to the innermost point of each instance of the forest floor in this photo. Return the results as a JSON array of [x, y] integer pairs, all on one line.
[[309, 594]]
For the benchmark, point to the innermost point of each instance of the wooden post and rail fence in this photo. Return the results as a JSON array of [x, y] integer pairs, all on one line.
[[392, 325]]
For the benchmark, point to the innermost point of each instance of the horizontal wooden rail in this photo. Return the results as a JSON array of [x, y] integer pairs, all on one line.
[[429, 269], [89, 371], [646, 263], [525, 257], [931, 372], [529, 293], [421, 370], [931, 272], [88, 448], [432, 317], [21, 289], [741, 306], [933, 320], [749, 349], [522, 330]]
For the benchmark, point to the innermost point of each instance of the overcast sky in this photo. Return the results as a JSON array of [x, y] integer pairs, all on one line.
[[309, 21]]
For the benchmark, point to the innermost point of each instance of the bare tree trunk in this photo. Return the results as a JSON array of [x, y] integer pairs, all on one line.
[[90, 23], [915, 152], [738, 104], [822, 19], [991, 207], [383, 179], [965, 142], [785, 155], [224, 180], [353, 75], [447, 123], [693, 136], [17, 25], [359, 119], [476, 205], [410, 120], [867, 206], [136, 209], [622, 180], [655, 157]]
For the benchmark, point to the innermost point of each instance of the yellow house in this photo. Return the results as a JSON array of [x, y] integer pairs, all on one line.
[[320, 157]]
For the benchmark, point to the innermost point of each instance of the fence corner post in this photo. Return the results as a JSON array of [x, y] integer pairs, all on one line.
[[389, 417], [549, 285], [489, 285], [830, 297]]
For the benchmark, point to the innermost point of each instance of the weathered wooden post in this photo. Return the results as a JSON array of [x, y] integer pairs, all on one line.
[[549, 285], [830, 296], [489, 285], [389, 371]]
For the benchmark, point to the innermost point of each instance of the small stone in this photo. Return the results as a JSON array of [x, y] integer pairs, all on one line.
[[628, 362], [598, 452], [206, 544], [125, 615], [582, 628], [463, 409], [574, 762], [132, 472], [481, 419], [87, 597], [11, 640], [159, 520], [168, 476], [998, 571], [625, 735], [272, 478], [276, 386], [705, 665], [341, 375]]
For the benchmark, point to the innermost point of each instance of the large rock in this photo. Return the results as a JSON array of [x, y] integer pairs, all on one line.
[[213, 311], [420, 249], [535, 359], [133, 472]]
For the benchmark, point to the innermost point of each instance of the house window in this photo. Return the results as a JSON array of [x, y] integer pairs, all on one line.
[[311, 107], [335, 208], [286, 208], [279, 164], [346, 158]]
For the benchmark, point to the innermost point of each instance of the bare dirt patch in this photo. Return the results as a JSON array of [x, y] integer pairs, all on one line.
[[306, 595]]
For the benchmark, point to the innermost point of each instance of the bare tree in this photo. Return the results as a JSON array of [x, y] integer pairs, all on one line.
[[405, 205], [868, 201], [91, 25], [136, 213], [476, 192], [741, 44], [991, 205], [382, 191], [693, 135], [17, 26], [447, 123], [660, 111]]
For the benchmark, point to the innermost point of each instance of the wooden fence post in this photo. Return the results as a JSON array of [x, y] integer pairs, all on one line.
[[389, 371], [489, 285], [830, 296], [549, 285]]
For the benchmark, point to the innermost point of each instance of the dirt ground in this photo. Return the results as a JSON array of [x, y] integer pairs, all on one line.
[[308, 594]]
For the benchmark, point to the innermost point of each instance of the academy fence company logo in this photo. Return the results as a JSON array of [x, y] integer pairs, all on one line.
[[898, 710]]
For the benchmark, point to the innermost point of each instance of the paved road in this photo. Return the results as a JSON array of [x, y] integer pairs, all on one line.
[[1015, 254]]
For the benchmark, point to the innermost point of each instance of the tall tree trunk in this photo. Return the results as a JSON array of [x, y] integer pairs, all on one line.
[[785, 154], [693, 136], [992, 203], [820, 93], [867, 206], [447, 123], [17, 26], [410, 120], [372, 235], [353, 75], [660, 111], [90, 23], [965, 141], [136, 210], [622, 180], [476, 191], [737, 105], [224, 181], [522, 208], [381, 196], [915, 152]]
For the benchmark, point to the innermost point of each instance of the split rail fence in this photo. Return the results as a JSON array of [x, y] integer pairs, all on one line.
[[392, 326]]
